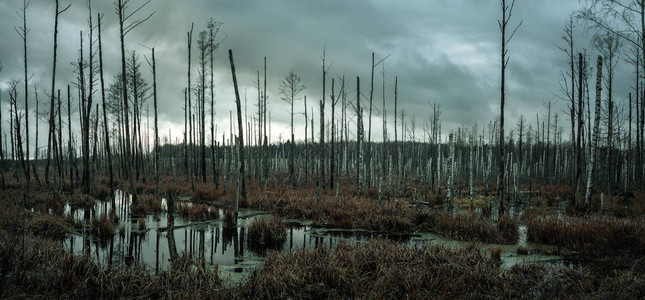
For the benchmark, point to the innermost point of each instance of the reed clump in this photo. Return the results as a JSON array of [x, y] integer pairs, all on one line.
[[591, 235], [468, 227], [147, 204], [142, 223], [347, 212], [81, 201], [207, 193], [196, 211], [102, 227], [266, 233], [49, 226]]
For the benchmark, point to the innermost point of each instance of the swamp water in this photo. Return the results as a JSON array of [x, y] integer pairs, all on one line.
[[229, 249]]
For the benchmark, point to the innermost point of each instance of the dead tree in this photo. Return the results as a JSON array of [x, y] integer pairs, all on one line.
[[52, 126], [86, 106], [570, 95], [16, 120], [213, 29], [321, 180], [507, 12], [203, 45], [610, 47], [290, 87], [157, 149], [191, 168], [2, 150], [105, 122], [121, 6], [369, 125], [594, 143], [359, 138], [22, 32], [333, 161], [241, 178]]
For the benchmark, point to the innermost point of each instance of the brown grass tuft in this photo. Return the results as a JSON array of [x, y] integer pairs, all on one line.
[[49, 226], [102, 227], [142, 223], [146, 204], [266, 234], [197, 212], [81, 201], [589, 235]]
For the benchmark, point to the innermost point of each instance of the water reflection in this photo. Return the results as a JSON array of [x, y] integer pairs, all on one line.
[[211, 242]]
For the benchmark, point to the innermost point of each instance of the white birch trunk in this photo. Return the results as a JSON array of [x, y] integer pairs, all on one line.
[[594, 144]]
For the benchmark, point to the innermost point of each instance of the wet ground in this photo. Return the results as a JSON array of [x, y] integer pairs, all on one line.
[[228, 249]]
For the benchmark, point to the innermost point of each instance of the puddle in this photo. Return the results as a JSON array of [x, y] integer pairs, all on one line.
[[228, 249]]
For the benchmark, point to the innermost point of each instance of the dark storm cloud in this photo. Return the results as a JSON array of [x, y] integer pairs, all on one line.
[[442, 51]]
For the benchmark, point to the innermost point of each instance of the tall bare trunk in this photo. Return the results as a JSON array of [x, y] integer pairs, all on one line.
[[594, 144], [105, 121], [241, 177]]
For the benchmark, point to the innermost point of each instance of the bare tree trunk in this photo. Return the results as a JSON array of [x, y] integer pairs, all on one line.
[[332, 161], [359, 137], [580, 127], [52, 125], [306, 142], [369, 128], [122, 19], [265, 150], [594, 144], [191, 168], [186, 168], [23, 34], [211, 27], [2, 150], [321, 181], [157, 150], [69, 139], [105, 121], [506, 14], [396, 137], [451, 173], [240, 148], [471, 171]]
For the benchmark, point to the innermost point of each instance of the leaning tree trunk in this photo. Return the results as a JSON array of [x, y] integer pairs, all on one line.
[[240, 141], [594, 144]]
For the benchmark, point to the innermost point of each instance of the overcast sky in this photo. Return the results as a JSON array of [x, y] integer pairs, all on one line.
[[443, 51]]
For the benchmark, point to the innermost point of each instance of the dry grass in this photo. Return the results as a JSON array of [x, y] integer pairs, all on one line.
[[81, 201], [589, 235], [102, 227], [142, 223], [196, 212], [381, 269], [266, 234], [42, 269], [146, 204], [468, 227], [102, 192], [207, 193], [49, 226], [345, 212]]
